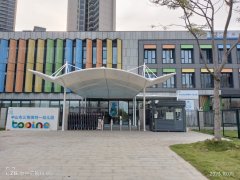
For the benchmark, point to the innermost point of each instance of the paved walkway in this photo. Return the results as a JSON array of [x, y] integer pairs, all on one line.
[[95, 155]]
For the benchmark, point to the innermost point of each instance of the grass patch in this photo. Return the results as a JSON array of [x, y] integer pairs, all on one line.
[[216, 160], [2, 129], [227, 133]]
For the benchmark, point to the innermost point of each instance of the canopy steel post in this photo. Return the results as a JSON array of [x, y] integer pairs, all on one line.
[[64, 101], [135, 113], [144, 101], [64, 109]]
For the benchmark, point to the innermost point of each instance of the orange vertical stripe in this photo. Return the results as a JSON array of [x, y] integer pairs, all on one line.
[[89, 54], [20, 65], [11, 66], [99, 53]]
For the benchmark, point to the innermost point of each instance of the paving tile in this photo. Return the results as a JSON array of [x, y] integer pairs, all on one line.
[[96, 155]]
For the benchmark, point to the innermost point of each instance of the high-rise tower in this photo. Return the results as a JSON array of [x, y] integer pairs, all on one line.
[[91, 15], [8, 10]]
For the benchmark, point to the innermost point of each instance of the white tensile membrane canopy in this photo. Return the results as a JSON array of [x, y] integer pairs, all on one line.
[[103, 82]]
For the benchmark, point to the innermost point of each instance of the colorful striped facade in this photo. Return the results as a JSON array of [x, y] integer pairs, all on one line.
[[47, 56]]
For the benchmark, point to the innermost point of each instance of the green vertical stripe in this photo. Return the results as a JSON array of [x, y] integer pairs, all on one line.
[[58, 61], [49, 63]]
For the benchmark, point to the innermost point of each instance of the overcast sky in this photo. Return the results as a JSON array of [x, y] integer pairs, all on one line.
[[132, 15]]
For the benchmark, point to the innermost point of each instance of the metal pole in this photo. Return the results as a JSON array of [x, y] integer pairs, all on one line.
[[238, 123], [64, 100], [144, 101], [135, 113]]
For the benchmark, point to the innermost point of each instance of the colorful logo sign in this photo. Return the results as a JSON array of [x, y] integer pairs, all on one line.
[[32, 118], [32, 125]]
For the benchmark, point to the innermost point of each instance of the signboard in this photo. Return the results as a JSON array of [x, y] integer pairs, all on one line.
[[32, 118], [189, 105], [187, 94]]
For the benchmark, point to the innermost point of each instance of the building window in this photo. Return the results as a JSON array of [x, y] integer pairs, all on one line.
[[227, 80], [207, 80], [168, 56], [84, 56], [207, 54], [188, 80], [187, 56], [94, 56], [220, 56], [114, 56], [151, 74], [150, 56], [104, 54], [239, 76], [170, 83], [238, 55]]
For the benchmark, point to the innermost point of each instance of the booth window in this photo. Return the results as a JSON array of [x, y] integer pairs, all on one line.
[[188, 80]]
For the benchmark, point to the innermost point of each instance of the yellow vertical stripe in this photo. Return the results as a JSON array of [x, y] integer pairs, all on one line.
[[39, 65], [119, 55], [30, 64], [109, 53]]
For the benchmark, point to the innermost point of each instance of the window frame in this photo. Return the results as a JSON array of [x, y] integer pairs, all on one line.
[[187, 60], [191, 75], [170, 53], [150, 60]]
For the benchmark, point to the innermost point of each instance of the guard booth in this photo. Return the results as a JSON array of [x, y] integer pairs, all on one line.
[[168, 116]]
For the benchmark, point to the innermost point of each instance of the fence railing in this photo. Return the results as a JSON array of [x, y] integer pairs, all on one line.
[[229, 121]]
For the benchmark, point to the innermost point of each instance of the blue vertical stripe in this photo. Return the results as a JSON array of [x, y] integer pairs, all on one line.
[[3, 62], [69, 52], [79, 53]]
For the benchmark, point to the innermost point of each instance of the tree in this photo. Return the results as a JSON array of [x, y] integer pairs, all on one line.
[[207, 10]]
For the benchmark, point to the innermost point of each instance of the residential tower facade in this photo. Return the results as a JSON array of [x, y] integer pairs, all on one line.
[[91, 15], [8, 10]]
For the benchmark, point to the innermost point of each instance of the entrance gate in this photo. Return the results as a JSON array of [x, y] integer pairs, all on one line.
[[83, 121]]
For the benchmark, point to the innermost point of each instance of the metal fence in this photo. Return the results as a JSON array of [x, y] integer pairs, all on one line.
[[230, 122]]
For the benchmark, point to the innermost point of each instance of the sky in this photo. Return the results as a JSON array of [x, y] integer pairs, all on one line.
[[132, 15]]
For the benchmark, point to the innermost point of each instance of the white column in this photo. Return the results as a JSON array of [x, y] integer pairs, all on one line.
[[135, 113], [64, 101], [144, 101], [64, 110]]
